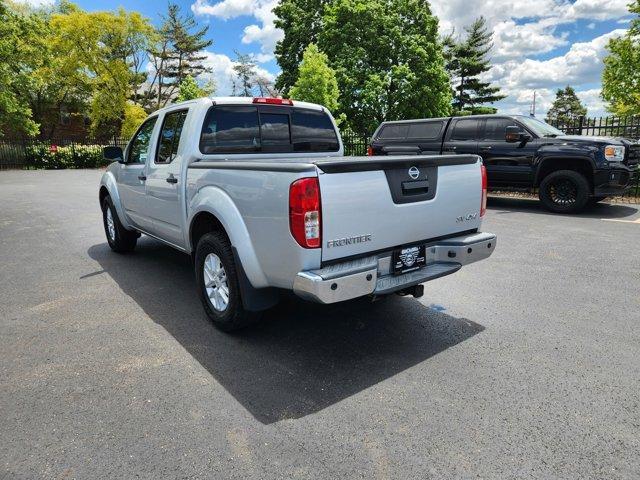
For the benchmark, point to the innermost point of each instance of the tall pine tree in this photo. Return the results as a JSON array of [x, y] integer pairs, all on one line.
[[176, 55], [467, 58], [566, 108]]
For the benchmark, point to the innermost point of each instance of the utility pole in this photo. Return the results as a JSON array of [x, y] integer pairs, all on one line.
[[532, 111]]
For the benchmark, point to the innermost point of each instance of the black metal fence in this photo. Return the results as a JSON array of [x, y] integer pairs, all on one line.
[[602, 126]]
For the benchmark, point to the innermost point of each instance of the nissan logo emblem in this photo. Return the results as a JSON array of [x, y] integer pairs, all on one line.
[[414, 172]]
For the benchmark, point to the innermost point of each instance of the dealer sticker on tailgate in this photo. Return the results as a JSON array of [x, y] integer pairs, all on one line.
[[408, 259]]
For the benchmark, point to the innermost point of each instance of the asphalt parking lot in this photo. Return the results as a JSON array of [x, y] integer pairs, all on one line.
[[526, 365]]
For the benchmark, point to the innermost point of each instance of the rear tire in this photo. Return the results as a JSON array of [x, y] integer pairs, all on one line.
[[564, 191], [120, 239], [218, 285]]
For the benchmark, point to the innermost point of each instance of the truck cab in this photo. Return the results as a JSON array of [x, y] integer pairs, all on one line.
[[522, 153]]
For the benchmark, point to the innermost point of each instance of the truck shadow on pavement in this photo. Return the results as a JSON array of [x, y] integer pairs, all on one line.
[[506, 205], [302, 357]]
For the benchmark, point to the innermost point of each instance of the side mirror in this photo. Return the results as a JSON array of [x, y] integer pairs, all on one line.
[[514, 134], [113, 154]]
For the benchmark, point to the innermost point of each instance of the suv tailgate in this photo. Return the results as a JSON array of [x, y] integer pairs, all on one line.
[[377, 203]]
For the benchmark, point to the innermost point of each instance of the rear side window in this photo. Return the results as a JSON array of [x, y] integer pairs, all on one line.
[[465, 130], [425, 130], [496, 128], [237, 129], [313, 131], [170, 136], [231, 130], [394, 131]]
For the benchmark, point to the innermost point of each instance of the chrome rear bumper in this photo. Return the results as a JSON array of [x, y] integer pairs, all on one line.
[[372, 275]]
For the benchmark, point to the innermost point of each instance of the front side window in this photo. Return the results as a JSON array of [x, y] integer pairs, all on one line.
[[170, 136], [233, 129], [313, 131], [465, 130], [139, 147], [496, 128]]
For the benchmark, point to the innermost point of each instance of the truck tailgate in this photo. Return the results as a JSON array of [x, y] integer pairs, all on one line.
[[376, 203]]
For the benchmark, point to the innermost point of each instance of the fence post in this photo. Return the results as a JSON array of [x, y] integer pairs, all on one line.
[[581, 121]]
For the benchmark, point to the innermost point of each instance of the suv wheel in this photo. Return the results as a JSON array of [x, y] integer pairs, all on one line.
[[120, 239], [218, 285], [564, 191]]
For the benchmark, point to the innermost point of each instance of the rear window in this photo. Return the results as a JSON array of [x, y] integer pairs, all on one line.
[[412, 131], [313, 131], [250, 129], [230, 130]]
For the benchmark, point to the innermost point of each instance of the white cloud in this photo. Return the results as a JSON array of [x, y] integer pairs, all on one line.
[[597, 9], [266, 34], [38, 3], [596, 107], [222, 72]]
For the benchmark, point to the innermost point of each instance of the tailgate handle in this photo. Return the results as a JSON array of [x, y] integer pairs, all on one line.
[[411, 187]]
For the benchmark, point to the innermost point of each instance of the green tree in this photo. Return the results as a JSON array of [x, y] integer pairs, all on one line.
[[245, 73], [18, 59], [189, 89], [175, 55], [388, 60], [621, 75], [566, 108], [301, 20], [134, 115], [467, 59], [316, 81]]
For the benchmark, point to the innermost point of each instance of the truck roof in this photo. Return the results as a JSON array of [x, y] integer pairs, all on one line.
[[486, 115], [238, 101]]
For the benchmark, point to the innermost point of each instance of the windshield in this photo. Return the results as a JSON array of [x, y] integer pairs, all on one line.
[[540, 128]]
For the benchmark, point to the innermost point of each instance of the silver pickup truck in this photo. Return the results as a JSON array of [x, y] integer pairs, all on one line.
[[259, 193]]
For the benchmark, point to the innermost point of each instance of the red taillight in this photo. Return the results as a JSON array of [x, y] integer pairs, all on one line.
[[370, 151], [305, 218], [483, 203], [273, 101]]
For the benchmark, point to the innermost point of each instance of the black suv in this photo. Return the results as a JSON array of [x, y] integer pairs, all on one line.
[[521, 153]]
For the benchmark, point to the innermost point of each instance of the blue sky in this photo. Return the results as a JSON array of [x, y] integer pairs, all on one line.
[[539, 45]]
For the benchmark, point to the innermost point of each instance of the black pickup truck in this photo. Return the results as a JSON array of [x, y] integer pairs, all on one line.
[[521, 153]]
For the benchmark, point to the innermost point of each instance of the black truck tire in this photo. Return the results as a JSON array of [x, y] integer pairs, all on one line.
[[564, 191], [218, 286], [120, 239]]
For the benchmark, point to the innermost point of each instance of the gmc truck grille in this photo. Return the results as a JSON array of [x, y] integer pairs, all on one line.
[[633, 158]]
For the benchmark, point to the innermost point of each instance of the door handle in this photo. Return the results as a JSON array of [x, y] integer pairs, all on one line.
[[142, 178], [485, 149], [172, 179], [450, 149]]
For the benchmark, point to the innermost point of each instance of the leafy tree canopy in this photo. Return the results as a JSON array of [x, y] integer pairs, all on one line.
[[388, 60], [316, 81], [621, 75], [134, 115]]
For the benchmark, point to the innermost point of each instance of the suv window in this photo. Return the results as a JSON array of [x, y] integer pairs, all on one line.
[[313, 131], [392, 131], [170, 136], [139, 147], [232, 129], [495, 128], [426, 130], [465, 129]]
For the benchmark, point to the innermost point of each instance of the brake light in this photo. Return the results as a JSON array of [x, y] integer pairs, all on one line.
[[370, 151], [483, 203], [305, 219], [273, 101]]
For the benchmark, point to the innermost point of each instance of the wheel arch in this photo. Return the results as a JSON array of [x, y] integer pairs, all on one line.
[[547, 165], [109, 186]]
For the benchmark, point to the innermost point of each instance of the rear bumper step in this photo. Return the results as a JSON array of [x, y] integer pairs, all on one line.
[[372, 275]]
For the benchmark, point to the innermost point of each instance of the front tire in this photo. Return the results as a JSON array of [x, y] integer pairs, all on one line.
[[218, 285], [120, 239], [564, 191]]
